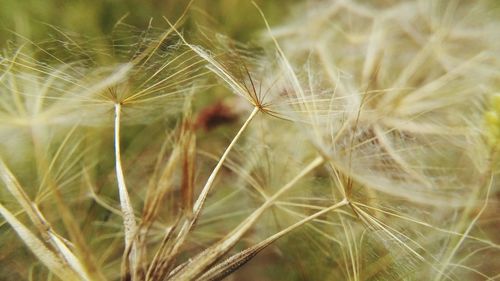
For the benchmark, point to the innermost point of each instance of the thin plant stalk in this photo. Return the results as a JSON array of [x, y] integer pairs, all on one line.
[[129, 222], [210, 255], [208, 185], [198, 205], [43, 226], [234, 262], [52, 261]]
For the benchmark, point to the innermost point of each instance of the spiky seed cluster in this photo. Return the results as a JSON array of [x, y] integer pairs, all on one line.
[[403, 96]]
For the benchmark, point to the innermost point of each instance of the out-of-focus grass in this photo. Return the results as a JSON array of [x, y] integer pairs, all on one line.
[[94, 18]]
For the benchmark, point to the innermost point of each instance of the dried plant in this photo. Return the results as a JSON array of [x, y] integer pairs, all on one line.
[[368, 150]]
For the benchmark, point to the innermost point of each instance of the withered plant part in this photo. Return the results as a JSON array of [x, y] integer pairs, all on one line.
[[362, 129]]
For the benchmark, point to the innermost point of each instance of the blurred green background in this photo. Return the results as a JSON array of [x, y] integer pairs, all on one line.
[[238, 19]]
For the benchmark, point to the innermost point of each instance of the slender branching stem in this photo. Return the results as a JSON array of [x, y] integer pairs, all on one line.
[[198, 205], [210, 255], [236, 261], [279, 234], [241, 229], [208, 185]]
